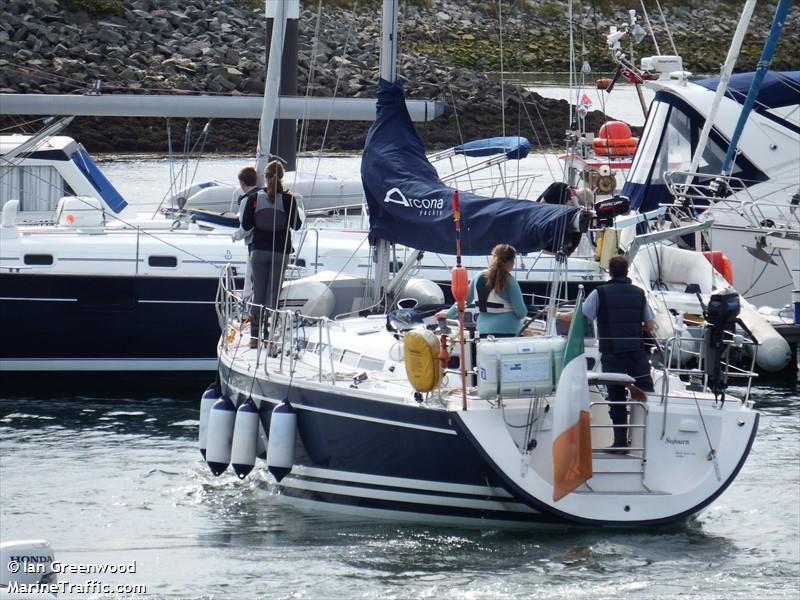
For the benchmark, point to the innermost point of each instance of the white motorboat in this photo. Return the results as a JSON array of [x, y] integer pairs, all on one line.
[[759, 199]]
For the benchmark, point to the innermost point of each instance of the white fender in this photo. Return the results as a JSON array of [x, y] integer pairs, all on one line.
[[424, 291], [773, 352], [220, 435], [280, 448], [245, 438], [210, 396], [310, 298], [261, 445]]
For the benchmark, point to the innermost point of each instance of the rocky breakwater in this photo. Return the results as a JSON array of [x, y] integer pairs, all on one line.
[[166, 46], [192, 46]]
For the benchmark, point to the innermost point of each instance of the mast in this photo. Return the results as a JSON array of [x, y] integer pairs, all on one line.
[[388, 71], [388, 66], [278, 9], [284, 135], [761, 70]]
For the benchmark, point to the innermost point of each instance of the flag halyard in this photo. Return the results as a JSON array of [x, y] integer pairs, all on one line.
[[572, 435]]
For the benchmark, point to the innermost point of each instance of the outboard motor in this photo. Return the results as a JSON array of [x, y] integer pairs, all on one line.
[[29, 565], [612, 207], [720, 316]]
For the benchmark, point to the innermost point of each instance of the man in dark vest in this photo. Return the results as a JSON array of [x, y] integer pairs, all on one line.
[[623, 316]]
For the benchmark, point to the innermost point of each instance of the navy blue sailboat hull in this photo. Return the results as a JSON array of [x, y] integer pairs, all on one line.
[[425, 467], [409, 462], [69, 322]]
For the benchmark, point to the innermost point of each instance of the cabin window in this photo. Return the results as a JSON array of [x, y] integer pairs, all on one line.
[[162, 261], [38, 189], [368, 363], [669, 140], [640, 171], [38, 259], [676, 150], [350, 358]]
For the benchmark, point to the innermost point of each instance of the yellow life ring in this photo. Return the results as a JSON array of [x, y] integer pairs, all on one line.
[[421, 356]]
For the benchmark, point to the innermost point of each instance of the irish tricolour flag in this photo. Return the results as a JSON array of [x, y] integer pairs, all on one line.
[[572, 435]]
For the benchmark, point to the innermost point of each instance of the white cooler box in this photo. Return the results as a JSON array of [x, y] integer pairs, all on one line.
[[526, 366]]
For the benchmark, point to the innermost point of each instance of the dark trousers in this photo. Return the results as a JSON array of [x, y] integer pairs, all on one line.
[[267, 272], [637, 365]]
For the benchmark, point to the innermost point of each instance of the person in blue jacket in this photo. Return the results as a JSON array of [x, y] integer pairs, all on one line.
[[501, 308]]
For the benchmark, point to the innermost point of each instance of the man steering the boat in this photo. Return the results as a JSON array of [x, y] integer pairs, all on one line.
[[501, 307], [623, 317]]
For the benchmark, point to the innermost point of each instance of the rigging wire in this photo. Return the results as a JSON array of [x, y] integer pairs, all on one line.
[[650, 28], [312, 66], [502, 69], [666, 26], [339, 73]]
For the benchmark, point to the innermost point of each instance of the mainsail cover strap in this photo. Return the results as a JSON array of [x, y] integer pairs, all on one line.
[[409, 204]]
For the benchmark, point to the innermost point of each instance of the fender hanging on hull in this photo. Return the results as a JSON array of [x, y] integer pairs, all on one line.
[[282, 433]]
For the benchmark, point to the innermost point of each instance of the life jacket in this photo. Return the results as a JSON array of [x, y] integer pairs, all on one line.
[[620, 313], [490, 301], [268, 216]]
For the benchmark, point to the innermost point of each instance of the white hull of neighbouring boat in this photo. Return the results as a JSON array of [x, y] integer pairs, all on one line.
[[318, 192], [762, 283], [365, 445]]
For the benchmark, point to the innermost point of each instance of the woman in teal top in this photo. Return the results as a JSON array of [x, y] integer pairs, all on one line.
[[497, 295]]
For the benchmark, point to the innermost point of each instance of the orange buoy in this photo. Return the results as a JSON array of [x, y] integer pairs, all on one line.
[[458, 286], [721, 263], [614, 130], [599, 143], [614, 139], [603, 83]]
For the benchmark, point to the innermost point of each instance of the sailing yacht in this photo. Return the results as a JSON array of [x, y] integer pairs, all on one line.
[[85, 288], [382, 416]]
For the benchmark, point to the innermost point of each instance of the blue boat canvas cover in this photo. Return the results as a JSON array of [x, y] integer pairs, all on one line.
[[408, 203], [513, 147], [779, 88]]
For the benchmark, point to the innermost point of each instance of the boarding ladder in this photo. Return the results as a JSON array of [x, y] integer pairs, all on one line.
[[622, 472]]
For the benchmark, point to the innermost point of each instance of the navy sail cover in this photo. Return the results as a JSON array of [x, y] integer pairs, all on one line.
[[779, 88], [409, 204]]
